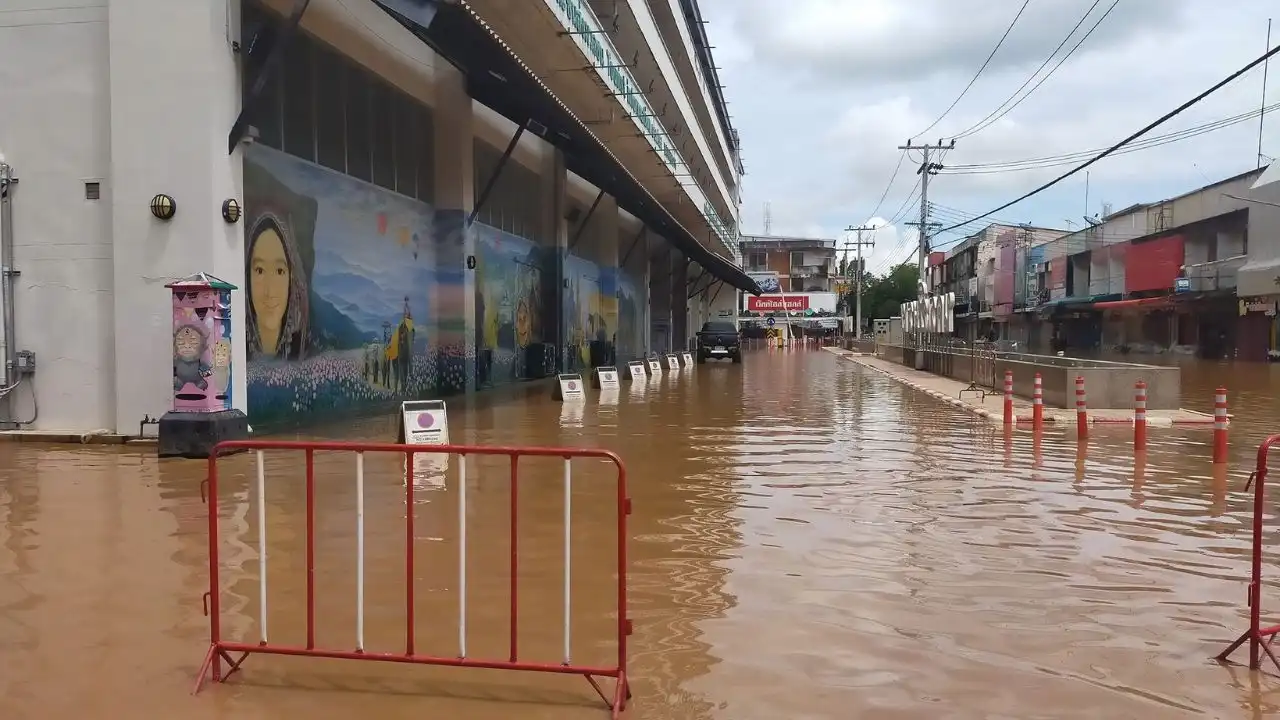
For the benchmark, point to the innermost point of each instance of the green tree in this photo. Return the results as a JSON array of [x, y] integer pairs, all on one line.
[[882, 296]]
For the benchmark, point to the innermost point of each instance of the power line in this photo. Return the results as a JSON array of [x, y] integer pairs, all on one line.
[[979, 73], [1163, 119], [997, 113], [1146, 144], [889, 187]]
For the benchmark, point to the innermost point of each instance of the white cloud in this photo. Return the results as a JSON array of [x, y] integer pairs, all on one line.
[[823, 92]]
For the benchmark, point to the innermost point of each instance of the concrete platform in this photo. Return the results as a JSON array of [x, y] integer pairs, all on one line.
[[100, 437], [991, 407]]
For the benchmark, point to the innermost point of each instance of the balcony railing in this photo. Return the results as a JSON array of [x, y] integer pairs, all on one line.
[[1215, 275]]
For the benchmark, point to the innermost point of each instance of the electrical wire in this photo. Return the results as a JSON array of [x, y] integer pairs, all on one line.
[[1068, 158], [990, 120], [1160, 121], [889, 187], [976, 75]]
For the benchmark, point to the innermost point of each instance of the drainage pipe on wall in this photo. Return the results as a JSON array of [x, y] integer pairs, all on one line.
[[8, 181]]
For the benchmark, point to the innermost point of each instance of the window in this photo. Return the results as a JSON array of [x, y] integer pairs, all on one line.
[[406, 144], [299, 99], [266, 113], [381, 123], [331, 113], [759, 261], [797, 259], [425, 131], [359, 152], [320, 106]]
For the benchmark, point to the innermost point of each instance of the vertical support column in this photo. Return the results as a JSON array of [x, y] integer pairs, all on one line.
[[659, 295], [555, 236], [171, 141], [642, 283], [454, 153], [607, 256], [679, 301]]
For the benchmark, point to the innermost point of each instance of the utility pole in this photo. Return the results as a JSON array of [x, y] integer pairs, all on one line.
[[925, 171], [857, 272]]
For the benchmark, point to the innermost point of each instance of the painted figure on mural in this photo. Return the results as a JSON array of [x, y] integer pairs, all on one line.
[[279, 303], [221, 368], [190, 342]]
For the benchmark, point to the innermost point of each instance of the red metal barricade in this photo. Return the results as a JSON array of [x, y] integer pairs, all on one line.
[[234, 653], [1260, 638]]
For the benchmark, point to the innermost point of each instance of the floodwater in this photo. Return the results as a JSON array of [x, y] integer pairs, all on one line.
[[809, 540]]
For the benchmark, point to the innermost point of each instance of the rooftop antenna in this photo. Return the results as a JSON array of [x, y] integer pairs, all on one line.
[[1266, 65], [768, 218]]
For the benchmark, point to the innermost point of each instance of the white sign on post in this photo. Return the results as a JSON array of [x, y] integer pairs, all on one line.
[[571, 386], [673, 362], [607, 376], [426, 422], [687, 359], [655, 366], [637, 370]]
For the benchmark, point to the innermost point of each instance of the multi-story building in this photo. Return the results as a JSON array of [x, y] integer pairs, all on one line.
[[1160, 276], [801, 264], [451, 188]]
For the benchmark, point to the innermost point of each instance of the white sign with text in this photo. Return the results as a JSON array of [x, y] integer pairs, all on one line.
[[607, 375], [426, 422], [655, 366], [687, 359], [571, 386], [637, 370], [673, 362]]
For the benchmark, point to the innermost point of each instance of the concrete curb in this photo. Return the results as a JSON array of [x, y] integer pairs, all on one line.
[[1063, 419]]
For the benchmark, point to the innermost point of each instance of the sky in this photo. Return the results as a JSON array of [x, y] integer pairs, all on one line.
[[823, 92]]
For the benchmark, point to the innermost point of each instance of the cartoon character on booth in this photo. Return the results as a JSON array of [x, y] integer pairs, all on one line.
[[190, 343]]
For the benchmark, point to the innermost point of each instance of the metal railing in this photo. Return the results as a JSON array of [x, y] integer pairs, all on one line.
[[222, 649]]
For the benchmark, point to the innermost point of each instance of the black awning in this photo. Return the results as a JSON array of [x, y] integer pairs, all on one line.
[[496, 78]]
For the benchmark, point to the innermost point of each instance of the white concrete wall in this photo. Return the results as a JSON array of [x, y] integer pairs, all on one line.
[[169, 135], [1257, 277], [54, 131]]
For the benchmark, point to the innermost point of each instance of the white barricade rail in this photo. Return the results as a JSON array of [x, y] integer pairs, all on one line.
[[569, 388], [687, 359], [637, 370], [234, 652]]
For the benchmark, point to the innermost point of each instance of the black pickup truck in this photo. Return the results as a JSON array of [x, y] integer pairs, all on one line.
[[719, 341]]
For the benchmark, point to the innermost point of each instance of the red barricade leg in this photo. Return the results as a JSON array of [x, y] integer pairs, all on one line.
[[1258, 637]]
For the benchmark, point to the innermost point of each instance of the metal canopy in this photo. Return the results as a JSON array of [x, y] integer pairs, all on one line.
[[498, 79]]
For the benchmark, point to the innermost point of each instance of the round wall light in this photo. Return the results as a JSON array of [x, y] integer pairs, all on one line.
[[231, 211], [163, 207]]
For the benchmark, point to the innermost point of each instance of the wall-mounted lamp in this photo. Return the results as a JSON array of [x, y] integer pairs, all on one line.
[[163, 207], [231, 211], [471, 262]]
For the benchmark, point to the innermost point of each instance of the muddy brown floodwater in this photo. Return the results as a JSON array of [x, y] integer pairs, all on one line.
[[809, 540]]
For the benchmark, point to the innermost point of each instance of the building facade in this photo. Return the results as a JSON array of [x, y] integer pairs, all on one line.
[[414, 198], [1193, 274], [801, 264]]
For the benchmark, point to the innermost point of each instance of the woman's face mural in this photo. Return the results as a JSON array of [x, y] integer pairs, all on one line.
[[269, 283]]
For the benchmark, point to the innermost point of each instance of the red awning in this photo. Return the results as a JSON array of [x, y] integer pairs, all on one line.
[[1152, 302]]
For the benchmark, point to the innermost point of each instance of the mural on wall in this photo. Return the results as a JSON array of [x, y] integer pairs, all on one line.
[[509, 302], [201, 344], [352, 301], [590, 311]]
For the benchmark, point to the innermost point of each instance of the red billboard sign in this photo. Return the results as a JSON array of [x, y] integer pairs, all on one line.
[[775, 303]]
